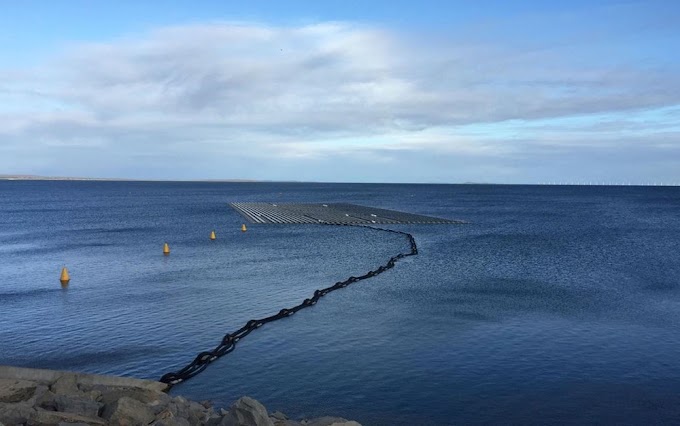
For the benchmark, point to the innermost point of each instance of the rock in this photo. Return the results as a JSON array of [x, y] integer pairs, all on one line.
[[78, 404], [162, 397], [198, 414], [180, 400], [111, 394], [286, 423], [128, 412], [13, 414], [247, 412], [172, 422], [169, 411], [179, 407], [40, 391], [95, 395], [214, 420], [69, 399], [55, 418], [16, 390], [331, 421], [278, 415], [46, 401], [164, 414], [281, 419], [65, 385], [158, 407]]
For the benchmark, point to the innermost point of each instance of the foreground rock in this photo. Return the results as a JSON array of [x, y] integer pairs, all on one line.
[[54, 398]]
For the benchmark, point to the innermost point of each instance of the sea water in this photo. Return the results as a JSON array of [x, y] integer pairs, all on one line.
[[555, 304]]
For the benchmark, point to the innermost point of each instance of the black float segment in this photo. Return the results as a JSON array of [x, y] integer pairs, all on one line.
[[330, 213]]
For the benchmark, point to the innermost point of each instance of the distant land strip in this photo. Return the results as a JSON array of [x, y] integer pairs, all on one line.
[[74, 178], [80, 178]]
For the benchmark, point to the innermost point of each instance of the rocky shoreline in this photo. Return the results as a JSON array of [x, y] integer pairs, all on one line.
[[56, 398]]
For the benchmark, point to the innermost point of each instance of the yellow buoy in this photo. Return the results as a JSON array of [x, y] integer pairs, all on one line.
[[65, 278], [212, 236], [243, 228], [166, 249]]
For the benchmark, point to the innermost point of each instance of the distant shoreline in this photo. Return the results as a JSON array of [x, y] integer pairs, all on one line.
[[73, 178], [93, 179], [69, 178]]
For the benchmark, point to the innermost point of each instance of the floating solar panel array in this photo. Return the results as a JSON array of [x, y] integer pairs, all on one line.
[[331, 213]]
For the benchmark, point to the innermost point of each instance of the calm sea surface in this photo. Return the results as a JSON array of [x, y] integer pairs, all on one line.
[[554, 305]]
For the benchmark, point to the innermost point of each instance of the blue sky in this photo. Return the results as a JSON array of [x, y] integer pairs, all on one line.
[[430, 91]]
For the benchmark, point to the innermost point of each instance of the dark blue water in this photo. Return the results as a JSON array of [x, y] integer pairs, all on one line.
[[555, 305]]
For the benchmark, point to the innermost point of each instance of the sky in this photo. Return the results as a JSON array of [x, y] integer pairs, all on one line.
[[343, 91]]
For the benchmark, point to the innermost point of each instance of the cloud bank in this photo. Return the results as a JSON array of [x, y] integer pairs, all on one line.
[[336, 102]]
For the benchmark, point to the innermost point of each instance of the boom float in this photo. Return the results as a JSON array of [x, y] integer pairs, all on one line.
[[340, 216]]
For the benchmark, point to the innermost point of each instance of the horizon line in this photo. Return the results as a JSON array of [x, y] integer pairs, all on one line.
[[8, 177]]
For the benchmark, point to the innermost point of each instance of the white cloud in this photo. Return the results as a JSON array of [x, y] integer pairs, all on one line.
[[260, 93]]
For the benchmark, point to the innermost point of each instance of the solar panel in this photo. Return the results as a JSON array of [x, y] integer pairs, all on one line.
[[329, 213]]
